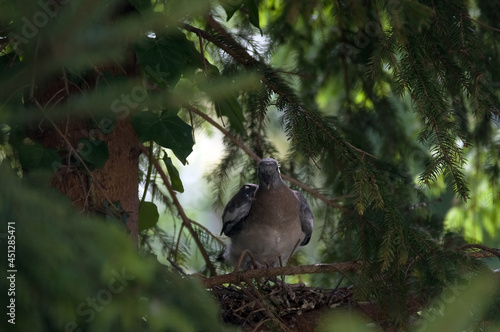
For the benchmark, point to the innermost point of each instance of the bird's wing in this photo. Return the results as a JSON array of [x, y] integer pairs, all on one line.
[[237, 209], [306, 217]]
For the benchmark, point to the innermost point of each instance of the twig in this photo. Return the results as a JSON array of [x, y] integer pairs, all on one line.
[[234, 277], [178, 242], [202, 52], [77, 156], [215, 237], [177, 267], [260, 299], [490, 252], [226, 133], [487, 26], [226, 42], [186, 221], [254, 156], [65, 80], [65, 139], [242, 256], [148, 175], [313, 192]]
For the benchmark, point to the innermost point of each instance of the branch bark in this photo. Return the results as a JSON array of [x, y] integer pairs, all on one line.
[[185, 219], [484, 253], [237, 276], [270, 77], [254, 156]]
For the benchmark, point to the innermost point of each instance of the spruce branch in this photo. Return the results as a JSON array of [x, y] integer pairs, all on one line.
[[272, 79], [487, 26], [226, 132], [431, 104], [252, 155], [485, 251], [308, 130]]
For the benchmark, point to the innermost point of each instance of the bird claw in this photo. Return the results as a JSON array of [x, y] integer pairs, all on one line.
[[286, 288], [289, 290]]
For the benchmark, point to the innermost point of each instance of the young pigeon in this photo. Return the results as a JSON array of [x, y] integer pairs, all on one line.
[[269, 220]]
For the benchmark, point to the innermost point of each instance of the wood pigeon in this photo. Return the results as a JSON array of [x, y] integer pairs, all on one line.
[[270, 220]]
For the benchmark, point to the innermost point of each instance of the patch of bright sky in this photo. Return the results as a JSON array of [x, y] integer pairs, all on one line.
[[197, 198]]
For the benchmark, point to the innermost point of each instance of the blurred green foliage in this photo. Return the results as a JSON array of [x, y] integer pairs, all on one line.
[[459, 307], [389, 110], [76, 273]]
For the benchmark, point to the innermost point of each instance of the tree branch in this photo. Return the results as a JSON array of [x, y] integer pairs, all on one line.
[[185, 220], [226, 42], [252, 155], [485, 251], [237, 276], [226, 133], [75, 153]]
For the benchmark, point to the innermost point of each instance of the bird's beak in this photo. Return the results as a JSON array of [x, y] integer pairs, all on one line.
[[266, 178]]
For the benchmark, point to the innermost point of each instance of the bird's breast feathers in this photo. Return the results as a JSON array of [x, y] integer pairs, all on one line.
[[280, 208]]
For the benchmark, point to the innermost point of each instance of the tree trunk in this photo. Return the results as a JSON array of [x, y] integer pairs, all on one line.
[[112, 190], [118, 181]]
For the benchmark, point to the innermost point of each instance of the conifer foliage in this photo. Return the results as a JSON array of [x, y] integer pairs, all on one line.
[[379, 101]]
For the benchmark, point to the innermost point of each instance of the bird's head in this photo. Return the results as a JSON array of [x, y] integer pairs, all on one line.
[[269, 172]]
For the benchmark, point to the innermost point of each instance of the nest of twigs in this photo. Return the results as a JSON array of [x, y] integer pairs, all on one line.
[[267, 305]]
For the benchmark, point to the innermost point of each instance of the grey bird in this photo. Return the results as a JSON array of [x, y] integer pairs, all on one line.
[[269, 220]]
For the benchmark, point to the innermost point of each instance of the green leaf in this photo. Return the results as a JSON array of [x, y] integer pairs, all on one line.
[[167, 57], [168, 130], [148, 215], [34, 155], [253, 12], [173, 173], [93, 152], [252, 7], [230, 107], [231, 6]]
